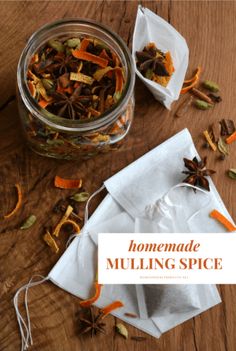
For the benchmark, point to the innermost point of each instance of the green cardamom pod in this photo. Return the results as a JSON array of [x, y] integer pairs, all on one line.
[[28, 222], [73, 42], [56, 45], [212, 86], [232, 173], [80, 197], [202, 105]]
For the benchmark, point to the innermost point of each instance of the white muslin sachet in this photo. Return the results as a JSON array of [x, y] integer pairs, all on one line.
[[131, 191], [151, 28]]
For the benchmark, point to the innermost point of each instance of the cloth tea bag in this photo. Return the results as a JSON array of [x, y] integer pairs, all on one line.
[[151, 28], [129, 193], [170, 214]]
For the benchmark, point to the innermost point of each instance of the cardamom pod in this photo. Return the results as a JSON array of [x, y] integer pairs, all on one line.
[[121, 329], [202, 105], [28, 222], [80, 197], [73, 42], [232, 173], [56, 45], [222, 147], [212, 86]]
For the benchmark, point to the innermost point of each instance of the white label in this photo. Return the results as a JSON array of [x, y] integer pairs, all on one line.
[[167, 258]]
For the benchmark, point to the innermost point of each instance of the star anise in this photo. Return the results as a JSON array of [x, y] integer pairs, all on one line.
[[69, 106], [153, 60], [60, 63], [91, 323], [197, 172]]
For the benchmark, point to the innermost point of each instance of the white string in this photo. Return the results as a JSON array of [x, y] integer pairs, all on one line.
[[25, 326], [86, 215], [196, 188]]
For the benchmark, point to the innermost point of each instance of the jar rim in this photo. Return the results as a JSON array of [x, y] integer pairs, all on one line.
[[65, 124]]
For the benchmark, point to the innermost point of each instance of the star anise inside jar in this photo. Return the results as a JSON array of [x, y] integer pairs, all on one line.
[[69, 106], [197, 173]]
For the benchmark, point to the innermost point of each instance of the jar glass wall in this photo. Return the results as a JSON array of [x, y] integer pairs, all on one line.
[[54, 136]]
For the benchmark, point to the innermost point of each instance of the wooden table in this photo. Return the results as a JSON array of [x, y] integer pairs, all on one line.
[[209, 28]]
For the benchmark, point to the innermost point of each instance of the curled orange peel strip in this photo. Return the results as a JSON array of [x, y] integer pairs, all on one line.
[[18, 204]]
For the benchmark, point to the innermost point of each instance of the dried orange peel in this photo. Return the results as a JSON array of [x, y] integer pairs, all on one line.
[[18, 203], [119, 80], [76, 227], [63, 183], [94, 298], [84, 44], [86, 56], [193, 82], [209, 140], [231, 138], [65, 217], [223, 220], [50, 242], [109, 308]]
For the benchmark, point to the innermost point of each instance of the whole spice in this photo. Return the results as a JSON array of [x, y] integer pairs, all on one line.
[[216, 131], [232, 173], [227, 127], [222, 147], [202, 105], [130, 315], [138, 338], [91, 323], [201, 95], [215, 98], [197, 173], [121, 329], [29, 222], [223, 220], [183, 108], [80, 197], [18, 203], [212, 86]]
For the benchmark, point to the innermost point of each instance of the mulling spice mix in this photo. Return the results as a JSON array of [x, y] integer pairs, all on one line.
[[155, 64], [77, 78], [83, 88]]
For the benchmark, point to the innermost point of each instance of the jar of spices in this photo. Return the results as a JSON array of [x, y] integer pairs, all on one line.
[[75, 81]]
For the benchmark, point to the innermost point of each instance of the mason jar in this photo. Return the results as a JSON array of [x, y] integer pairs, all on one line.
[[58, 137]]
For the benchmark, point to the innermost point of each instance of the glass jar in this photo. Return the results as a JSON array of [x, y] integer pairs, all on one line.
[[58, 137]]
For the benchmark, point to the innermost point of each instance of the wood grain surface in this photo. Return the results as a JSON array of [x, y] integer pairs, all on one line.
[[209, 28]]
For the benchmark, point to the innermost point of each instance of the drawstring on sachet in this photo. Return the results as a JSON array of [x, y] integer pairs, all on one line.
[[25, 326], [180, 185], [86, 216]]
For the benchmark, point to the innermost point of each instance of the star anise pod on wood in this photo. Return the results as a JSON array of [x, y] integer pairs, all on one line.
[[91, 323], [197, 173], [69, 106]]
